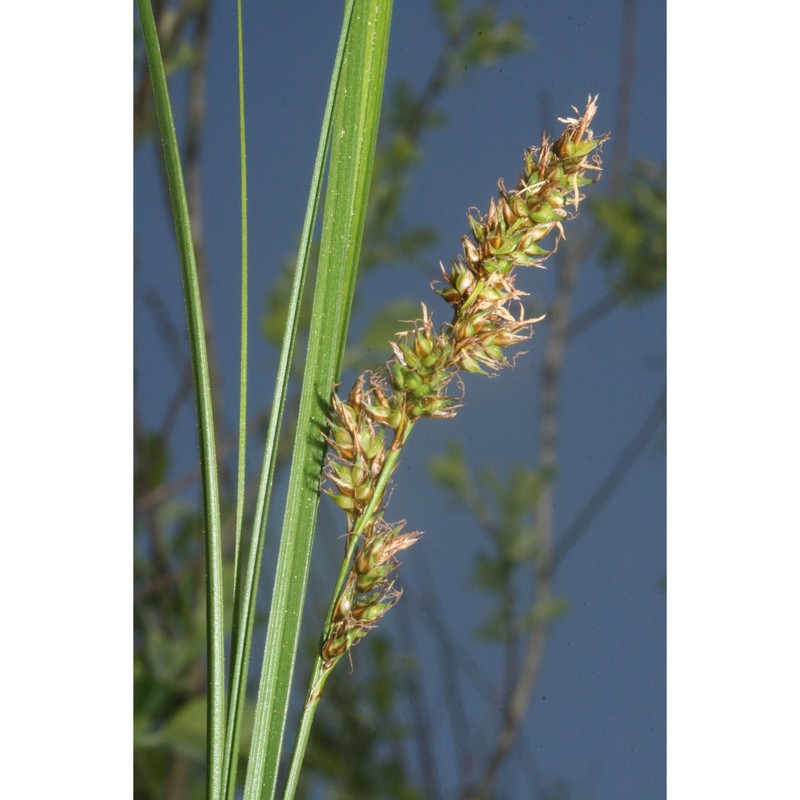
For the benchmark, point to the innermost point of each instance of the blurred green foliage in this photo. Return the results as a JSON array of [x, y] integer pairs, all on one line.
[[505, 506], [635, 222]]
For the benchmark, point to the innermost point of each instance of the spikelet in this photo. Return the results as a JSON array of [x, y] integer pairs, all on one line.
[[480, 288]]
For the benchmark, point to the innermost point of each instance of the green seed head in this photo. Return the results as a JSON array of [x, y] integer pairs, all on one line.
[[369, 581], [471, 253], [463, 279], [423, 344], [480, 288]]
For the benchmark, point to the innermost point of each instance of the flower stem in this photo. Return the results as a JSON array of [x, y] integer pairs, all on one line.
[[321, 670]]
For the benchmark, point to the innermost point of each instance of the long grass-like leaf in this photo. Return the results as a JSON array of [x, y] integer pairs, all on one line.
[[240, 471], [237, 677], [205, 418], [356, 116], [245, 609]]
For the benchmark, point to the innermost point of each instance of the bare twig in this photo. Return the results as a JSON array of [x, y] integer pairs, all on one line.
[[519, 697], [621, 468], [450, 654], [423, 725], [592, 315]]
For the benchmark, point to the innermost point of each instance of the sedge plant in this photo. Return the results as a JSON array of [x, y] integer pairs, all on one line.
[[365, 432]]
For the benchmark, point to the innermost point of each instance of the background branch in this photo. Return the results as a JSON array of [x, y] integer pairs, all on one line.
[[518, 698]]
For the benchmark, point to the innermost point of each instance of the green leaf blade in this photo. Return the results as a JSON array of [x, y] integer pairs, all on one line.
[[352, 152], [204, 410]]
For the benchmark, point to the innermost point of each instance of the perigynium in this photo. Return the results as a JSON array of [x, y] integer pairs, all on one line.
[[368, 430]]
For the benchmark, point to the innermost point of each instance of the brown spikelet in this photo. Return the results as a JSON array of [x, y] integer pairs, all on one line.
[[480, 289]]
